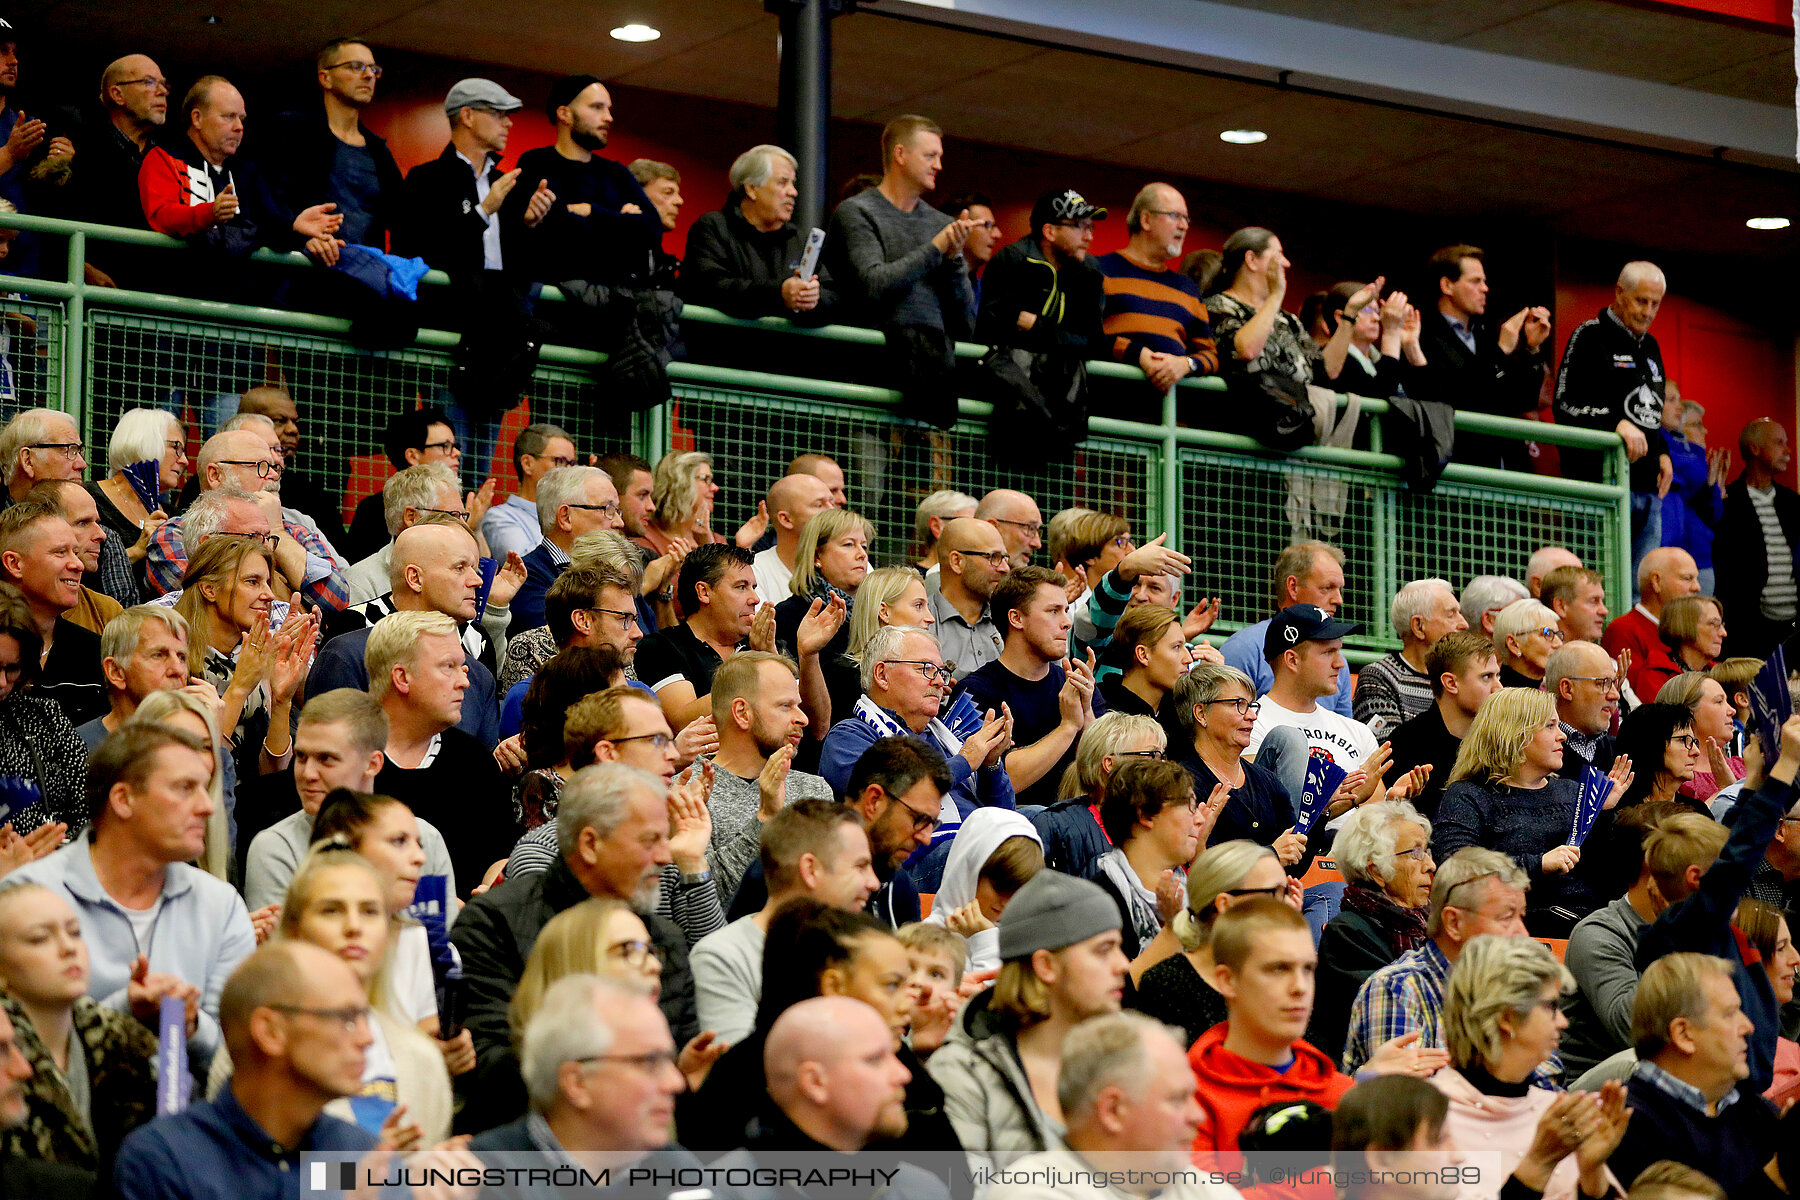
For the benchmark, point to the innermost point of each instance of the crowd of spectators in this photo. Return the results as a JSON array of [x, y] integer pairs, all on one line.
[[564, 820]]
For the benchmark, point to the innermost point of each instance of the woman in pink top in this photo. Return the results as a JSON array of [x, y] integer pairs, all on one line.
[[1502, 1017], [1765, 928], [1705, 697]]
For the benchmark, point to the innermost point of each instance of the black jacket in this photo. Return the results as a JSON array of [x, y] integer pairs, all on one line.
[[494, 934], [1068, 300], [1488, 381], [1608, 375], [738, 269], [1743, 559], [296, 155], [1353, 946], [606, 246], [440, 218]]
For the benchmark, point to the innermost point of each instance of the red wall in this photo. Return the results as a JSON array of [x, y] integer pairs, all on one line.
[[1729, 342]]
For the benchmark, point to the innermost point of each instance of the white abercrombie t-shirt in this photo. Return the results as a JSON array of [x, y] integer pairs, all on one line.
[[1344, 741]]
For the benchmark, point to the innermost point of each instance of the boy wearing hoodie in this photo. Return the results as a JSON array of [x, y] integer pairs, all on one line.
[[1263, 960]]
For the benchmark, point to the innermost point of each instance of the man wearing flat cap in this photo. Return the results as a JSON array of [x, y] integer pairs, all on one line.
[[1060, 964], [601, 227], [1041, 292]]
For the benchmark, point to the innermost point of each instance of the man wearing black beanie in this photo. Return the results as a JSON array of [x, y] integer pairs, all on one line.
[[601, 227]]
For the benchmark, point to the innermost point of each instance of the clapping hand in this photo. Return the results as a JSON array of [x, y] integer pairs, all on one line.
[[820, 624], [225, 205], [1404, 1056], [751, 530], [699, 1055], [507, 580], [1621, 776], [1200, 618], [762, 629], [771, 783]]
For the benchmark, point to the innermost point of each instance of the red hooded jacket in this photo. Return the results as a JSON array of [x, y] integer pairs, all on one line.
[[1231, 1087]]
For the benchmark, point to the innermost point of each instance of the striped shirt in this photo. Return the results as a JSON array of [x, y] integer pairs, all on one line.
[[1155, 310], [1389, 691], [1780, 599]]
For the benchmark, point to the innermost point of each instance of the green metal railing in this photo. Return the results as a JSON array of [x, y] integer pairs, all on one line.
[[1223, 498]]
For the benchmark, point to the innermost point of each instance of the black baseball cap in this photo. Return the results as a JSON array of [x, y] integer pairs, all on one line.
[[1303, 623], [1066, 204]]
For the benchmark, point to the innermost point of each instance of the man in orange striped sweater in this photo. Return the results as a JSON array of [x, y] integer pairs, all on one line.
[[1153, 311]]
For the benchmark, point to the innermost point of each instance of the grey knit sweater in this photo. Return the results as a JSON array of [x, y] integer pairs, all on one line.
[[884, 260]]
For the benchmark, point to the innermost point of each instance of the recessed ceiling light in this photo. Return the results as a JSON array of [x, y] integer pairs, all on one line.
[[637, 33], [1243, 137], [1768, 222], [213, 20]]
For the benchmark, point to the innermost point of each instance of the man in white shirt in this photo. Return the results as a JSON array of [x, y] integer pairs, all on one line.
[[1304, 647], [793, 500]]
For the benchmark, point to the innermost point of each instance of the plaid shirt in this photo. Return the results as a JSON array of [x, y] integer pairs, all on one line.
[[1675, 1089], [325, 585], [1405, 996]]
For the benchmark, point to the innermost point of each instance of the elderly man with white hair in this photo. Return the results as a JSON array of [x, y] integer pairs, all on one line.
[[742, 258], [1612, 379], [905, 687], [1483, 598], [39, 444], [245, 460], [934, 512], [1127, 1095], [598, 1062], [1395, 687], [571, 501]]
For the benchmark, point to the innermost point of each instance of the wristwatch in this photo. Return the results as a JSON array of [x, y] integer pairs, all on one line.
[[696, 879]]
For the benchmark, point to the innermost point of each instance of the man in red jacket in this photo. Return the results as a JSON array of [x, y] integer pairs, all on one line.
[[1665, 574]]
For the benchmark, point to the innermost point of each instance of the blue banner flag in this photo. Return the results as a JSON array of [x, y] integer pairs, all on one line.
[[1595, 785], [17, 793], [173, 1083], [430, 908], [962, 717], [1771, 704], [146, 480], [1322, 779]]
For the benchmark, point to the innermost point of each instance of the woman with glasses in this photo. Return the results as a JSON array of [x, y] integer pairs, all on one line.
[[141, 435], [1715, 725], [683, 488], [1505, 794], [830, 564], [1384, 852], [1502, 1017], [564, 681], [1152, 652], [93, 1078], [1215, 709], [993, 855], [1660, 739], [1179, 990], [226, 596], [1693, 628], [1525, 636], [338, 901], [385, 832], [1254, 332], [1381, 331], [605, 938]]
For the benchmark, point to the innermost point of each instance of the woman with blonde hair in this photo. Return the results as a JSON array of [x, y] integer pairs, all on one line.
[[185, 711], [338, 901], [890, 596], [93, 1077], [683, 488], [1505, 794], [830, 564], [1074, 842], [1178, 990], [226, 596], [141, 435], [599, 937], [1502, 1017]]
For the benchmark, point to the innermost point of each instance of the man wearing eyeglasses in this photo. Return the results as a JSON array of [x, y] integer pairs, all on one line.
[[103, 185], [416, 436], [618, 1102], [511, 526], [327, 155], [972, 560], [39, 444], [1153, 312], [242, 459], [1585, 683], [1020, 522], [571, 501]]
